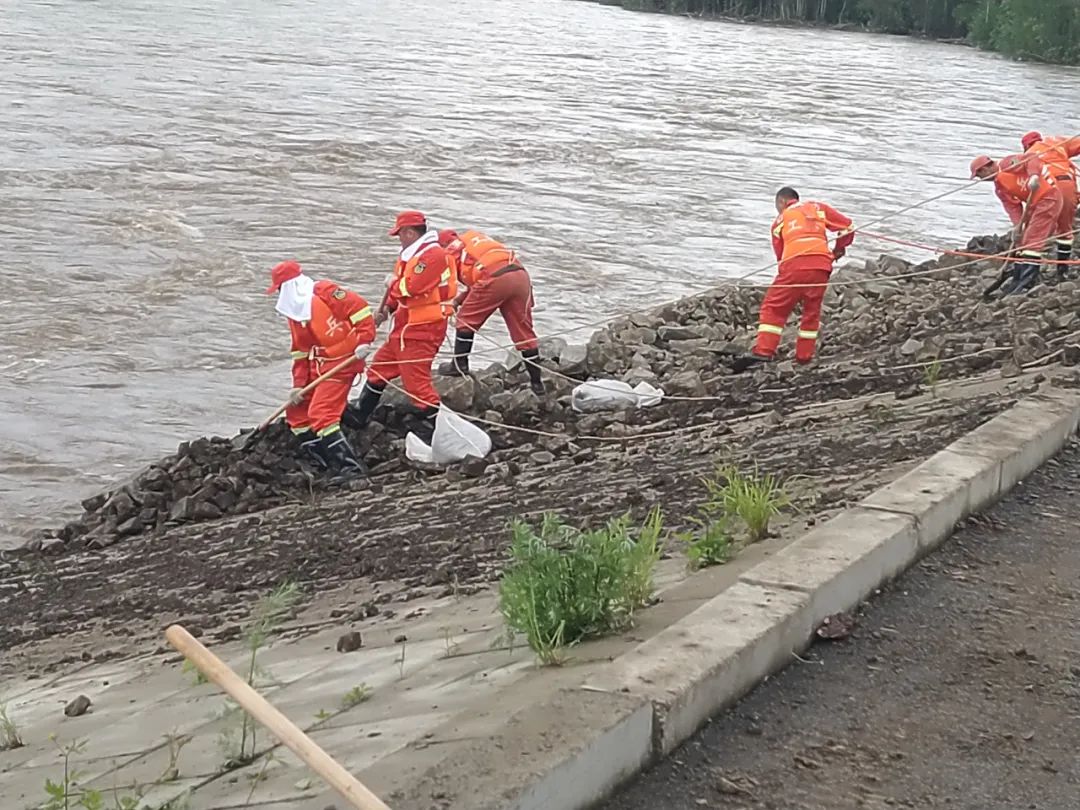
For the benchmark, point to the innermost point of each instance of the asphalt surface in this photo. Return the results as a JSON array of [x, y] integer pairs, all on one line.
[[960, 687]]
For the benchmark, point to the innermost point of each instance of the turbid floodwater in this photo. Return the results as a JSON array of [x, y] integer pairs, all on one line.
[[156, 160]]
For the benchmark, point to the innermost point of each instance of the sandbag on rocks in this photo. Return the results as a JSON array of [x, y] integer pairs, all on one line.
[[613, 395], [454, 439]]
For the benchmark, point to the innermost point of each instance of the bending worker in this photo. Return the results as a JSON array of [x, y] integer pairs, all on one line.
[[1056, 154], [328, 325], [494, 279], [1029, 193], [420, 293], [801, 244]]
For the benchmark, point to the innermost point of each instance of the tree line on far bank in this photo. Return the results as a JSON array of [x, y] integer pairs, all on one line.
[[1042, 30]]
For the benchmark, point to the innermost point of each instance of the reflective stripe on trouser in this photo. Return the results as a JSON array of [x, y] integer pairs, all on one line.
[[780, 301], [409, 358], [322, 409], [511, 295]]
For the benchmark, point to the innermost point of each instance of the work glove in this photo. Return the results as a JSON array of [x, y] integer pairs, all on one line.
[[362, 352], [380, 318], [296, 396]]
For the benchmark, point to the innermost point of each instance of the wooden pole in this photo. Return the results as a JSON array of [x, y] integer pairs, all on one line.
[[347, 785]]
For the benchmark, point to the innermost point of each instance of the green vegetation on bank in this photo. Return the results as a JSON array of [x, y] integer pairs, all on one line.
[[1043, 30]]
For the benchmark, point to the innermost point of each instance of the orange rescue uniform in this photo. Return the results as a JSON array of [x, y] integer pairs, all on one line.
[[341, 321], [801, 243], [421, 295], [1030, 195], [496, 280], [1055, 154]]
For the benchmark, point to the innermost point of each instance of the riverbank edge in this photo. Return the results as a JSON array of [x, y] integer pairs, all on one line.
[[576, 748], [802, 25]]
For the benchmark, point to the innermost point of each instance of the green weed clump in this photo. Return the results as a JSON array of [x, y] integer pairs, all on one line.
[[752, 498], [565, 585]]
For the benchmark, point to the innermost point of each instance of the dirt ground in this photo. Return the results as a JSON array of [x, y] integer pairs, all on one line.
[[201, 534], [959, 689]]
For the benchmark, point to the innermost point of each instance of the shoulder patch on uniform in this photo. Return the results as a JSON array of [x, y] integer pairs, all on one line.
[[339, 294], [420, 267]]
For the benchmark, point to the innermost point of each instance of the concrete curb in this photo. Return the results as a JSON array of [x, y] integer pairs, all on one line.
[[568, 752]]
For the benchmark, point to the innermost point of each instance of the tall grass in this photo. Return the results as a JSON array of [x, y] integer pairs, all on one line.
[[564, 585]]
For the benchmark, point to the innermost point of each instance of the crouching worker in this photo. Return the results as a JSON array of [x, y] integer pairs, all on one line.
[[328, 325], [494, 279]]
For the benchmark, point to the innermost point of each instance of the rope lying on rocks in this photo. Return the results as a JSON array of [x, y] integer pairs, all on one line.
[[479, 420], [979, 258], [949, 252]]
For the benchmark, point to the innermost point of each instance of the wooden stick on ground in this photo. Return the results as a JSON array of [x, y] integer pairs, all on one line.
[[275, 722]]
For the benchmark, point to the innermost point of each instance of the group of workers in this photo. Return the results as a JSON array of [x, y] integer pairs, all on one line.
[[438, 275], [469, 276]]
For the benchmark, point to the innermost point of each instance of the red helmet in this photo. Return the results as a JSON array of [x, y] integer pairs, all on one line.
[[286, 271], [407, 219], [1029, 139], [981, 162]]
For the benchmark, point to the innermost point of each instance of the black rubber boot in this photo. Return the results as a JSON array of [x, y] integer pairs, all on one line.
[[1064, 254], [458, 365], [532, 365], [341, 458], [1014, 277], [316, 449], [424, 427], [748, 361], [356, 416], [1025, 276]]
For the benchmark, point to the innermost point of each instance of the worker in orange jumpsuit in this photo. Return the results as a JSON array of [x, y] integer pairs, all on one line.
[[328, 325], [1030, 195], [493, 279], [420, 294], [1056, 152], [801, 244]]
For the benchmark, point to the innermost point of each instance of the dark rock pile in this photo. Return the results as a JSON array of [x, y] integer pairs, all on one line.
[[885, 316]]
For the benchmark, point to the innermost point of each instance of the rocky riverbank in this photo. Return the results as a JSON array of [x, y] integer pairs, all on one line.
[[911, 358]]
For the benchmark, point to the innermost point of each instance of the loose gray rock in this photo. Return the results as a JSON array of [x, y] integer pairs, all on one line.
[[911, 347], [350, 642], [78, 707]]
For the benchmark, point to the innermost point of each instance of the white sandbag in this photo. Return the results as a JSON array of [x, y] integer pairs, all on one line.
[[453, 440], [613, 395], [416, 449]]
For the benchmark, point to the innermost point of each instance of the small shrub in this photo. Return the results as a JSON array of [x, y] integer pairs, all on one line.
[[753, 498], [564, 585], [931, 375], [711, 543], [356, 696], [9, 732]]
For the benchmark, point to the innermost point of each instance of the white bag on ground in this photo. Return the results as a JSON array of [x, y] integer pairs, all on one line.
[[454, 439], [613, 395]]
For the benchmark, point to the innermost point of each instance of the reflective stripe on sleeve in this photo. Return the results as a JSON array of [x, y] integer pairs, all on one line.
[[403, 289], [359, 315], [298, 355]]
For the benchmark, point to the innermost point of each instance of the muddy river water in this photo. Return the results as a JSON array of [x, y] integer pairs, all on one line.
[[157, 158]]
